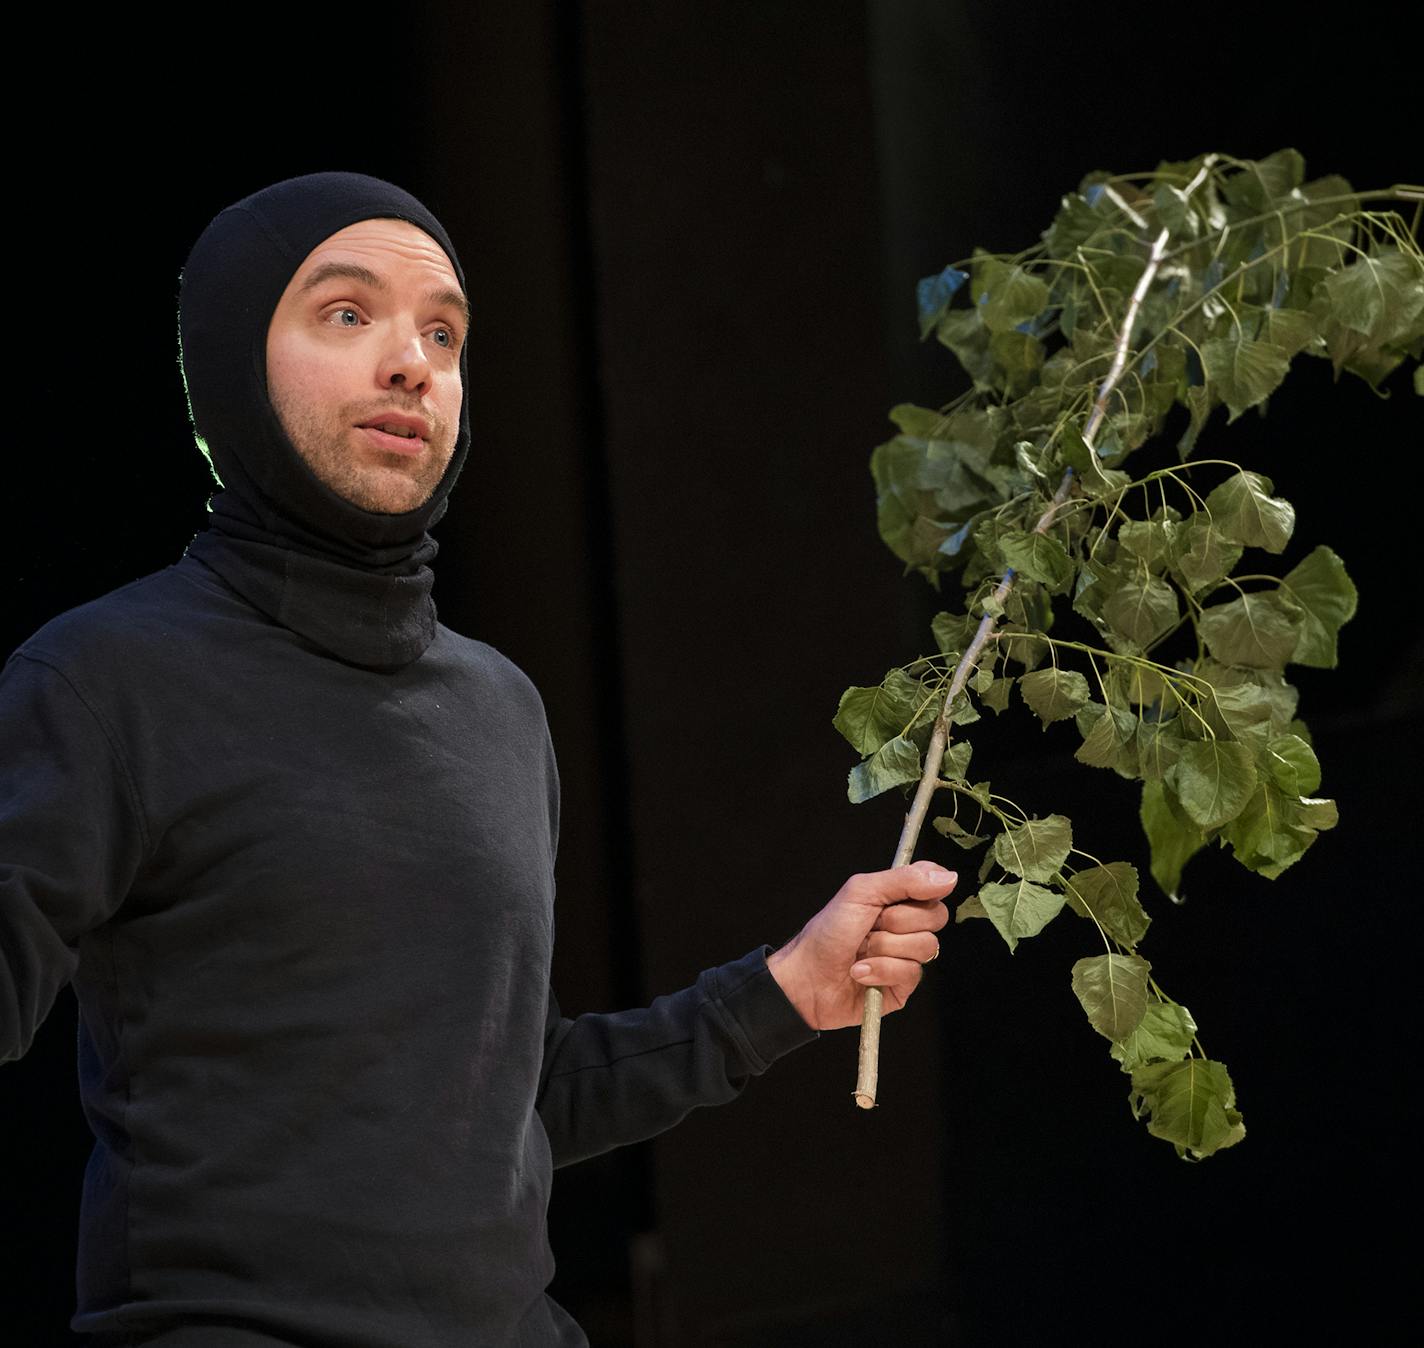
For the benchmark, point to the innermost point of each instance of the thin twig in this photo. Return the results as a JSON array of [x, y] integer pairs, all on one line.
[[868, 1066]]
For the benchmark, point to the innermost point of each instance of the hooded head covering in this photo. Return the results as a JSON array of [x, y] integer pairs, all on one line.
[[353, 581]]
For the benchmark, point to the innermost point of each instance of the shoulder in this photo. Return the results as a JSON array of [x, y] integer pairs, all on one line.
[[482, 661], [138, 622]]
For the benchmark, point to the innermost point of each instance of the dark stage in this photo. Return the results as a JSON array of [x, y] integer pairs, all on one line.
[[692, 234]]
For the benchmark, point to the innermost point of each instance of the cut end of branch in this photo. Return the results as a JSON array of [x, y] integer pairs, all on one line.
[[864, 1100]]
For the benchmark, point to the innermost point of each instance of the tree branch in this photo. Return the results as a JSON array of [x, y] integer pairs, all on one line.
[[868, 1065]]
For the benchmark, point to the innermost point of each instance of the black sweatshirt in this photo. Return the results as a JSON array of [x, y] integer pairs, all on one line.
[[293, 841], [308, 911]]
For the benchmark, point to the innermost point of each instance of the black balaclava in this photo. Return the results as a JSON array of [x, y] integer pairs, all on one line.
[[354, 582]]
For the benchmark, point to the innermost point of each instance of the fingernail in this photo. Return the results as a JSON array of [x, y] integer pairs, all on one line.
[[861, 970]]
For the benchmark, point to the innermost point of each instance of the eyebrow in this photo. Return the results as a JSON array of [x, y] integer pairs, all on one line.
[[354, 271]]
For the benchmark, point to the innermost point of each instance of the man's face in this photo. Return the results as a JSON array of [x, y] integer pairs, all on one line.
[[363, 363]]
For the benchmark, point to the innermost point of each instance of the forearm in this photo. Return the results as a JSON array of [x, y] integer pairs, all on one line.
[[609, 1080]]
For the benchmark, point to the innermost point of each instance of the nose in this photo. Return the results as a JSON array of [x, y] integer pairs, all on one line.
[[405, 365]]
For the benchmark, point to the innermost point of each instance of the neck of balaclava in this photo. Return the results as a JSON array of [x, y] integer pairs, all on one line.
[[362, 598]]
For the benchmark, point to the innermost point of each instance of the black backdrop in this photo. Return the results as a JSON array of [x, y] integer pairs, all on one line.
[[692, 233]]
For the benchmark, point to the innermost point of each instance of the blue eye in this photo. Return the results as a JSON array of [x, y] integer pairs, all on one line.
[[347, 318], [444, 337]]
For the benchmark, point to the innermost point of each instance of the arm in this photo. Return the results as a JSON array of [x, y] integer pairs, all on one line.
[[608, 1080], [70, 840]]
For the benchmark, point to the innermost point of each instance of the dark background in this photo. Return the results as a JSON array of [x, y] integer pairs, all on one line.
[[692, 233]]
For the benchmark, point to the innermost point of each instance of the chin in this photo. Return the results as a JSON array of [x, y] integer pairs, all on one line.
[[386, 497], [386, 504]]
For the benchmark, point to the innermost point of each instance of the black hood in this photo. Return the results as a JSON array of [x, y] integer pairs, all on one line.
[[355, 582]]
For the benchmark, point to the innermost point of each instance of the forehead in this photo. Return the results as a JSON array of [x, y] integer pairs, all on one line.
[[390, 248]]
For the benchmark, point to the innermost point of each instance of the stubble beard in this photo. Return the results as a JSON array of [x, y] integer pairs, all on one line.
[[385, 484]]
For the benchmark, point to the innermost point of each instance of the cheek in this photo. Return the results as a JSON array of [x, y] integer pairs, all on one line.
[[452, 396], [302, 379]]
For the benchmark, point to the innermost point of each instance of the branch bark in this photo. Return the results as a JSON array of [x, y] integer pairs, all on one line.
[[868, 1065]]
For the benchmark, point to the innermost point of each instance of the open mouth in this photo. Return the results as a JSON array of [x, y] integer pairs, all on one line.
[[393, 437]]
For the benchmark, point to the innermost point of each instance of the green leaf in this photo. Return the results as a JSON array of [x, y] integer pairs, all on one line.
[[955, 765], [1054, 694], [1025, 648], [1106, 731], [971, 907], [1173, 838], [1159, 745], [1153, 542], [1077, 454], [1020, 909], [1250, 704], [963, 711], [923, 423], [1029, 459], [953, 632], [997, 696], [1213, 779], [1075, 223], [1142, 610], [964, 333], [1246, 512], [1200, 400], [1097, 579], [891, 765], [1203, 554], [1191, 1104], [956, 832], [1243, 372], [1109, 894], [1372, 364], [1113, 991], [1165, 1035], [1324, 189], [1273, 831], [868, 717], [1327, 596], [1039, 557], [1174, 210], [1259, 631], [1019, 357], [1262, 181], [1009, 295], [929, 490], [1035, 849], [1142, 685], [1378, 297], [1293, 765], [1290, 329], [1242, 711]]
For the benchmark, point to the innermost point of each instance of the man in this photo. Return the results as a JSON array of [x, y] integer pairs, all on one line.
[[293, 841]]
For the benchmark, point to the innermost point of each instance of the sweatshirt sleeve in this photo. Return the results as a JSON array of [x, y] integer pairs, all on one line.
[[609, 1080], [71, 838]]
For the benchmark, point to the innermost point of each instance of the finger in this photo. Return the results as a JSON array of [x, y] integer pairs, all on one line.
[[883, 971], [922, 880], [920, 946], [912, 916]]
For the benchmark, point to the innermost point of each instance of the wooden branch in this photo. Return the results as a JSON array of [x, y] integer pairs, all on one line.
[[868, 1063]]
